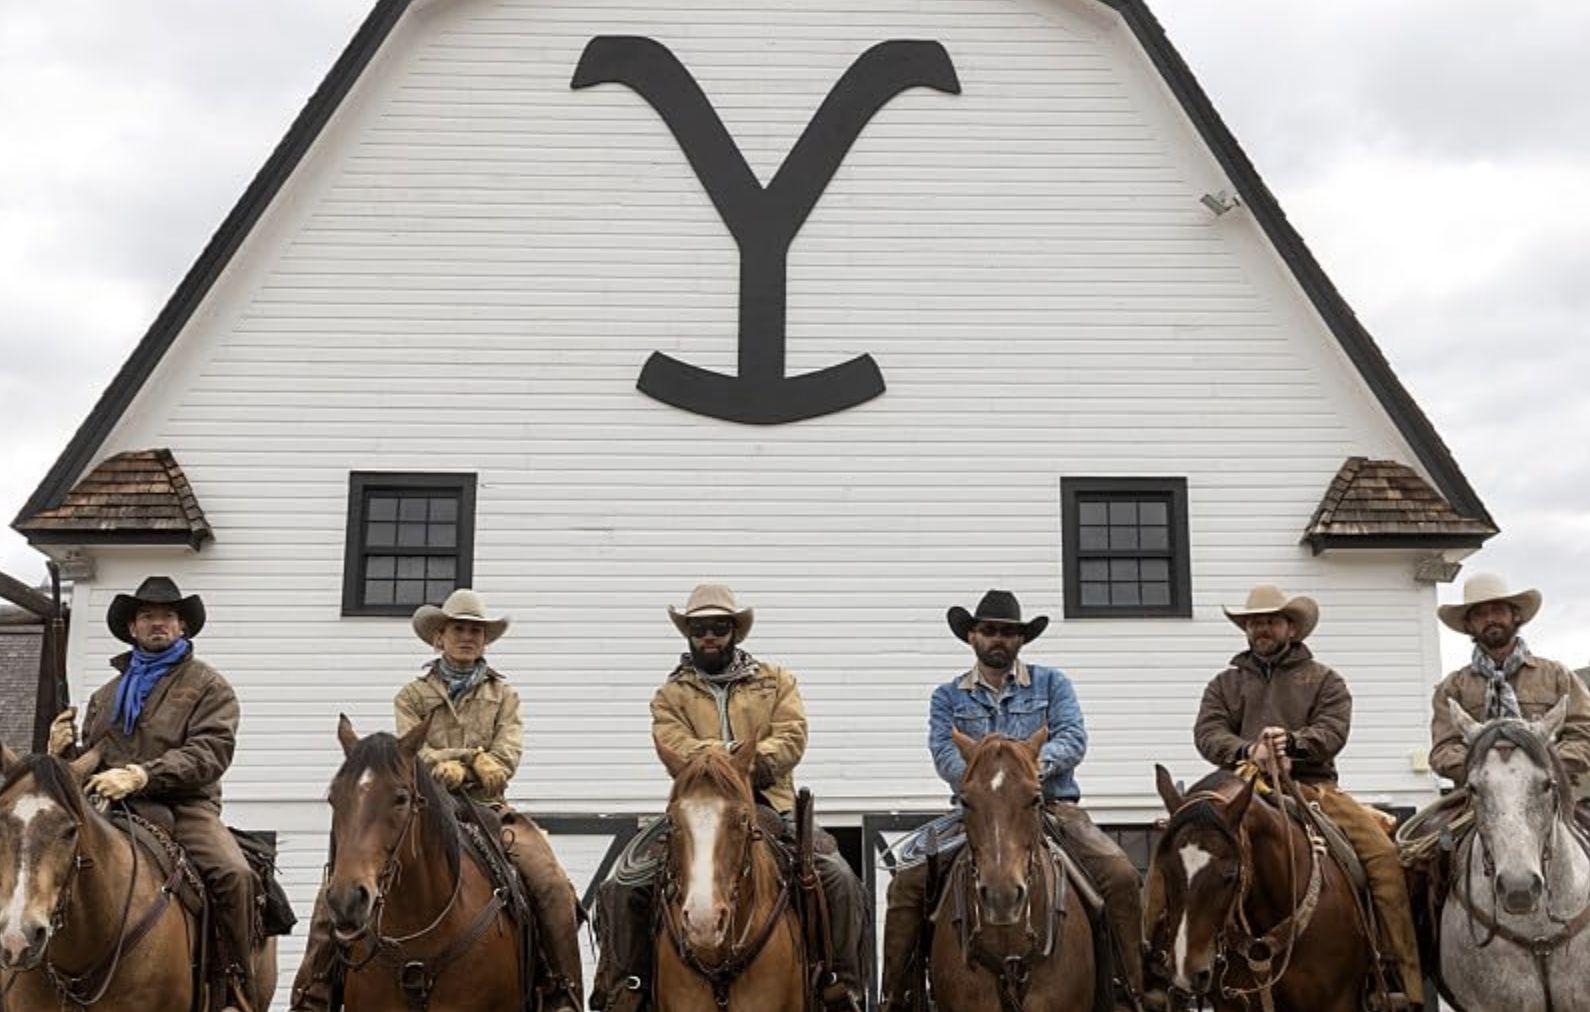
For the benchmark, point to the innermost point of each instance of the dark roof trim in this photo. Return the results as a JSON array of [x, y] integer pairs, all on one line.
[[226, 241], [1427, 542], [1410, 420], [192, 539]]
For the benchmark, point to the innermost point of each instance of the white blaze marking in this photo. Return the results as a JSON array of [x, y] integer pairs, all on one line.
[[998, 781], [703, 819], [1193, 860], [24, 812], [365, 780]]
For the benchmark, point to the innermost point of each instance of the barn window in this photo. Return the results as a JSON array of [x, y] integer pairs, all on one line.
[[411, 540], [1124, 546]]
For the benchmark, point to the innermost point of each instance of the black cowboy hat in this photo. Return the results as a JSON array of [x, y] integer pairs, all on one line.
[[154, 590], [996, 606]]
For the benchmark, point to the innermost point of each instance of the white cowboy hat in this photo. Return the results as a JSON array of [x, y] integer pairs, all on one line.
[[1268, 599], [711, 600], [462, 605], [1482, 588]]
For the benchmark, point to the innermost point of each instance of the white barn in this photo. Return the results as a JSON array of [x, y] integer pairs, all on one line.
[[464, 326]]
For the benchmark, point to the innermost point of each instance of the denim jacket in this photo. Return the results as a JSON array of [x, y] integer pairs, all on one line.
[[1034, 696]]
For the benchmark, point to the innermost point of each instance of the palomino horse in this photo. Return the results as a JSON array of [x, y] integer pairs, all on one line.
[[1512, 928], [730, 938], [1010, 934], [422, 927], [1245, 910], [87, 919]]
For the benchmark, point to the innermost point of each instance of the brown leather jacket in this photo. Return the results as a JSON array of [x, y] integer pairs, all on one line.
[[1301, 694], [185, 735]]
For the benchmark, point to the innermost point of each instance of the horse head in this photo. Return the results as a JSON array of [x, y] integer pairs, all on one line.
[[387, 813], [1196, 877], [1002, 799], [1520, 793], [712, 825], [42, 814]]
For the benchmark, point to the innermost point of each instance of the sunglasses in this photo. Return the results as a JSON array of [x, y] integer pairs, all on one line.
[[717, 627]]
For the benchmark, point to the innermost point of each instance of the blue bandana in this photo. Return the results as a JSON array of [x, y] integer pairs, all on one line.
[[139, 680]]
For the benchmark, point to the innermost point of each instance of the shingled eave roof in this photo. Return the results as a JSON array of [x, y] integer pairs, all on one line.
[[1384, 504], [1360, 348], [141, 497]]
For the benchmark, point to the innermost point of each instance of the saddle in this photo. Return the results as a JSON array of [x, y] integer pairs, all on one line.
[[1311, 816]]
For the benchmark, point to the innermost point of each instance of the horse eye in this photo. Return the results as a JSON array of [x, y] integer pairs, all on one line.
[[400, 799], [1231, 876]]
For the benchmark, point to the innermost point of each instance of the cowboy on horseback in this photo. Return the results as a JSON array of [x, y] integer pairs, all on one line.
[[166, 729], [719, 694], [472, 747], [1278, 707], [1003, 695]]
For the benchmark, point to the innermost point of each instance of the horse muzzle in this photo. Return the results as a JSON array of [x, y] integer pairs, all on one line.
[[1520, 894], [22, 948], [1002, 906], [350, 909]]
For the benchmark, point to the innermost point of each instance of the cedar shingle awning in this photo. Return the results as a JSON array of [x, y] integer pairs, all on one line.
[[1384, 504], [135, 498]]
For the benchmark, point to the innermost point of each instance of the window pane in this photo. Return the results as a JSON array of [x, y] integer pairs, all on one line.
[[411, 567], [436, 591], [1123, 570], [1093, 513], [1154, 539], [377, 592], [380, 567], [1124, 593], [383, 508], [1096, 594], [411, 535], [439, 567], [1157, 570], [1095, 569], [410, 592], [1123, 538], [1156, 513], [443, 535], [1123, 513], [413, 509], [1156, 594], [444, 511], [380, 535], [1093, 539]]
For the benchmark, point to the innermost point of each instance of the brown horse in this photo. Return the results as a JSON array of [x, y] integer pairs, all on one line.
[[86, 917], [1009, 934], [729, 938], [1241, 902], [421, 925]]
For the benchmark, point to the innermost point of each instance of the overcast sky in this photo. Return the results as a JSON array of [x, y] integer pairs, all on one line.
[[1435, 154]]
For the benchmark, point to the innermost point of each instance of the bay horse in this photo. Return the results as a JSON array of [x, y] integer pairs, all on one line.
[[1245, 909], [730, 937], [1009, 933], [87, 918], [421, 926], [1512, 927]]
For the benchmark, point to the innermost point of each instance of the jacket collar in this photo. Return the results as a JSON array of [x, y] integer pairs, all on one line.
[[1020, 672], [437, 683], [1295, 656], [123, 659]]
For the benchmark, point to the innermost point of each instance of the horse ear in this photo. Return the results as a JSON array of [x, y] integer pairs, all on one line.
[[1549, 726], [1167, 789], [346, 734], [1238, 809], [84, 766], [1466, 724], [963, 743], [1036, 740], [8, 758], [672, 761], [411, 742]]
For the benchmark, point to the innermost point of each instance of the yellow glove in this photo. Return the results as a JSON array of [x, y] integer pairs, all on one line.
[[450, 773], [63, 732], [491, 773], [115, 784]]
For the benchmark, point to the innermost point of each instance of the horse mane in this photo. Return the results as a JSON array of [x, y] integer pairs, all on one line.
[[379, 753], [713, 768], [1204, 813], [1519, 733], [1003, 746], [54, 778]]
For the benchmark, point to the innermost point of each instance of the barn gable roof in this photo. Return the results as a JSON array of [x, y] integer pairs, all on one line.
[[1415, 427]]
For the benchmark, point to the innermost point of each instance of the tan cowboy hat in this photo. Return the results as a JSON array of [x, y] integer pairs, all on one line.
[[1268, 599], [1482, 588], [710, 600], [462, 605]]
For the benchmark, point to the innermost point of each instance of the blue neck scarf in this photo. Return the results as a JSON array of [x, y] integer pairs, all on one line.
[[139, 680]]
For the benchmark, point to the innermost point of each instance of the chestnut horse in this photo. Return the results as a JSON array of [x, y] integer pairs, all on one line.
[[730, 938], [1245, 911], [421, 925], [87, 918], [1010, 934]]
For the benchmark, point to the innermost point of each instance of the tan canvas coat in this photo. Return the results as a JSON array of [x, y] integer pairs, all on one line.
[[765, 708], [1539, 684], [487, 717], [185, 736], [1302, 695]]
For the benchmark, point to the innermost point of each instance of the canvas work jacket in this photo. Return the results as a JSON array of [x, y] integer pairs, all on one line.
[[1034, 696], [1300, 694], [184, 737], [765, 708], [1539, 684], [484, 718]]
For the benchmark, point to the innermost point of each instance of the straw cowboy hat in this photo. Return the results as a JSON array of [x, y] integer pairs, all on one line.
[[160, 590], [1483, 588], [1268, 599], [462, 605], [713, 600], [996, 606]]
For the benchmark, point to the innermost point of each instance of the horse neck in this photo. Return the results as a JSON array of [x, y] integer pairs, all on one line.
[[100, 889], [424, 887], [1278, 856]]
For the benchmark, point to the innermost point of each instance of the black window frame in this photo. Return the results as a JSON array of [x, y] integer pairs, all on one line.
[[362, 485], [1173, 491]]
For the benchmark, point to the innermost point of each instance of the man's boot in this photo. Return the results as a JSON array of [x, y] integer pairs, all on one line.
[[561, 986], [315, 996], [904, 979]]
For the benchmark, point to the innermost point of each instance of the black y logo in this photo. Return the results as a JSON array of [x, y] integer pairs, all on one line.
[[763, 221]]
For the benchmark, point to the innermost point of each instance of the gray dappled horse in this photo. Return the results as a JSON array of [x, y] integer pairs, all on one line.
[[1513, 928]]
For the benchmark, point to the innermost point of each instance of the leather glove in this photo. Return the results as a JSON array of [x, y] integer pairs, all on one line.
[[115, 784], [63, 732], [491, 773], [450, 773], [762, 775]]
